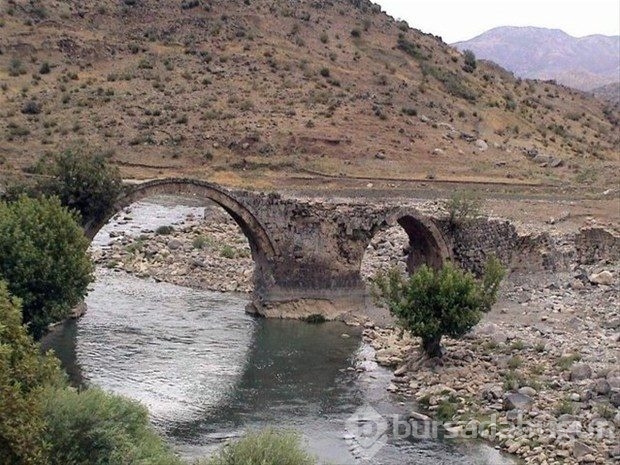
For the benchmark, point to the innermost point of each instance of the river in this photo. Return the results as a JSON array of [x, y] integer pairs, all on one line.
[[209, 372]]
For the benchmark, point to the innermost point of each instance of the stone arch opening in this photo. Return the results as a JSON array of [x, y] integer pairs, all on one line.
[[261, 247], [405, 240]]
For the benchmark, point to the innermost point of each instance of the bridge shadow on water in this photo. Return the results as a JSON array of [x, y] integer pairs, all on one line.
[[292, 370]]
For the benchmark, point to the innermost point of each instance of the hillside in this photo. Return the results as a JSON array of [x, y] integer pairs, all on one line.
[[609, 93], [250, 92], [538, 53]]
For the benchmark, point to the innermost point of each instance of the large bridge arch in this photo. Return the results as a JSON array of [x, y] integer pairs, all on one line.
[[263, 250]]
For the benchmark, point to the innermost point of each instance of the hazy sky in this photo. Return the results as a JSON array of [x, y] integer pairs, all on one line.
[[456, 20]]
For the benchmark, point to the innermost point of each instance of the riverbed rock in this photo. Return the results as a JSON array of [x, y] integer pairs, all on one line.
[[174, 244], [416, 416]]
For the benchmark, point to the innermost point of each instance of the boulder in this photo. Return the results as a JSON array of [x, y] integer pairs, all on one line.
[[602, 387], [517, 401], [580, 371], [174, 244], [604, 277], [581, 450], [492, 392], [527, 391], [481, 145]]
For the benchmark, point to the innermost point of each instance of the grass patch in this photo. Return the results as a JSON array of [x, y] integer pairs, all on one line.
[[228, 252], [564, 363], [201, 242], [515, 362], [564, 407]]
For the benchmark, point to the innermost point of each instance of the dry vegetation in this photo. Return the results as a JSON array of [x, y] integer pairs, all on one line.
[[254, 91]]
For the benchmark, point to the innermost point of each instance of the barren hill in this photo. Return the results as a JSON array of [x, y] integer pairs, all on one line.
[[255, 91], [539, 53], [609, 93]]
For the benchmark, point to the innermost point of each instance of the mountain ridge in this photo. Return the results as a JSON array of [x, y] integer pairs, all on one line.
[[531, 52]]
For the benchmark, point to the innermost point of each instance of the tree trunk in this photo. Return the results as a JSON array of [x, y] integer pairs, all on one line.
[[432, 346]]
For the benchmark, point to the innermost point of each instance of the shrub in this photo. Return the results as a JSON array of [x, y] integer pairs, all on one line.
[[31, 108], [447, 408], [410, 48], [433, 303], [43, 259], [325, 72], [265, 448], [164, 230], [85, 183], [23, 372], [315, 318], [452, 82], [16, 67], [462, 207], [96, 428], [45, 68], [470, 61], [356, 33]]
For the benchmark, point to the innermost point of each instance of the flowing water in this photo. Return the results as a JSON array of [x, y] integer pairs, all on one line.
[[208, 372]]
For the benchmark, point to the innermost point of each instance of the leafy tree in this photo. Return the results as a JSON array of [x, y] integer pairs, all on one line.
[[268, 447], [43, 259], [96, 428], [86, 183], [24, 372], [432, 303]]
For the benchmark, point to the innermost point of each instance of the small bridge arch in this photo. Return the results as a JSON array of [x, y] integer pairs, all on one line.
[[426, 242]]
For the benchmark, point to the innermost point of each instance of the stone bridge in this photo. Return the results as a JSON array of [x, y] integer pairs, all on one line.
[[307, 254]]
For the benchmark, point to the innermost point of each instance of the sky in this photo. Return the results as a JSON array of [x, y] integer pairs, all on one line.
[[456, 20]]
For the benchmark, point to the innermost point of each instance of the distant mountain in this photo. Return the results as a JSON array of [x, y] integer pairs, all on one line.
[[583, 63]]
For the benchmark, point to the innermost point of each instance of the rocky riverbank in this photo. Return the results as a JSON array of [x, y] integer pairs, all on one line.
[[539, 376], [208, 253]]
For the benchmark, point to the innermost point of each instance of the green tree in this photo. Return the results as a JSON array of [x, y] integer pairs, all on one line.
[[432, 303], [93, 427], [86, 183], [24, 372], [43, 259]]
